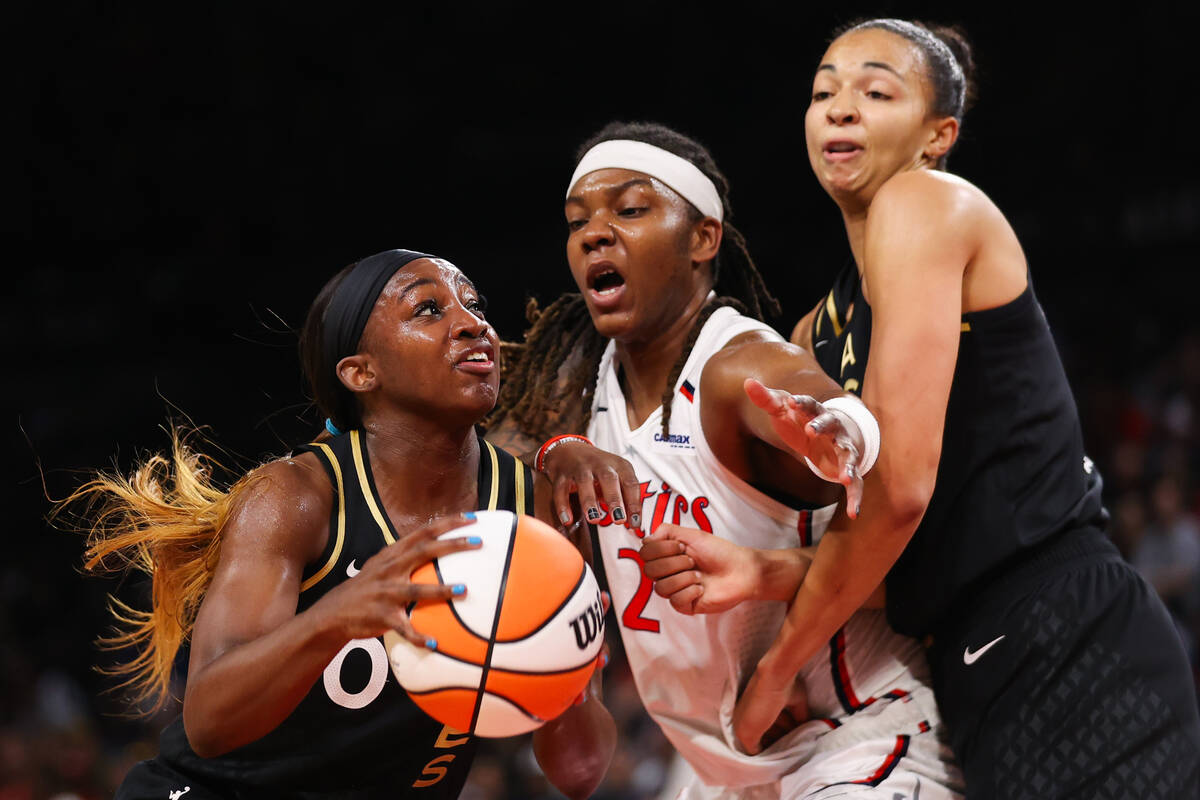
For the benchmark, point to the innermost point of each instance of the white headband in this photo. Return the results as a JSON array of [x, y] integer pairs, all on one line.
[[680, 174]]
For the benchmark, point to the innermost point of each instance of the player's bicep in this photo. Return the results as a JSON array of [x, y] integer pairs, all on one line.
[[775, 364], [914, 263], [272, 535]]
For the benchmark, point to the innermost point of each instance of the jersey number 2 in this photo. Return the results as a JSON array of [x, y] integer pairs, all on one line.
[[632, 617]]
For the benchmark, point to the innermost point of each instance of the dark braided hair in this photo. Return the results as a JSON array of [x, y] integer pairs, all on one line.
[[550, 380], [949, 62]]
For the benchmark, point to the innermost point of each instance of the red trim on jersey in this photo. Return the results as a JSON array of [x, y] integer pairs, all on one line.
[[889, 764], [804, 528], [841, 675], [841, 678]]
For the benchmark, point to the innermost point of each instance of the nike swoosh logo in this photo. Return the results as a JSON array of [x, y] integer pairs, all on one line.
[[352, 570], [970, 658]]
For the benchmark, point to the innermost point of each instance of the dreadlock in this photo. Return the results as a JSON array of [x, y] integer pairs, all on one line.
[[551, 378]]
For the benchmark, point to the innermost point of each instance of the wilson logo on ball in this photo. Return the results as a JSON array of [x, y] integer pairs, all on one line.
[[589, 624]]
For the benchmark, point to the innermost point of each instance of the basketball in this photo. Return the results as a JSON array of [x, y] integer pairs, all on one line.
[[520, 646]]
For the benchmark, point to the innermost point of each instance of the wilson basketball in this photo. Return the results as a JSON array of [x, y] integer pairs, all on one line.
[[520, 646]]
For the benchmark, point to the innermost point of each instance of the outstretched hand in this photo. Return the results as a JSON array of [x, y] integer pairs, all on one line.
[[828, 439]]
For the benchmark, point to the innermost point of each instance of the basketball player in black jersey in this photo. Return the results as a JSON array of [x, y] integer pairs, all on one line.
[[1056, 667], [285, 584]]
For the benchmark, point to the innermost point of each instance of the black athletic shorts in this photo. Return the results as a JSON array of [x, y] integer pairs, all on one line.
[[156, 780], [1066, 678]]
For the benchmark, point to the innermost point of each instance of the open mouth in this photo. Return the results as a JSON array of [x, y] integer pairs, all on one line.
[[607, 281], [477, 359], [841, 150]]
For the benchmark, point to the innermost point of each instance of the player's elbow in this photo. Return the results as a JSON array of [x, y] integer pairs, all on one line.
[[575, 750], [207, 739], [202, 739], [906, 504]]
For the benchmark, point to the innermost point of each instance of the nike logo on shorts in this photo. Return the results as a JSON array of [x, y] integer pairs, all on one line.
[[970, 658], [352, 570]]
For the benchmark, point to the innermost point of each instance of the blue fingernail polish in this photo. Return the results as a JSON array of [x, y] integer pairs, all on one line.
[[458, 588], [431, 643], [470, 515], [593, 514], [618, 514], [474, 540]]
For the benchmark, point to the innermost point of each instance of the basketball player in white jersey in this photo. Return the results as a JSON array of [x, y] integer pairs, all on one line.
[[647, 245]]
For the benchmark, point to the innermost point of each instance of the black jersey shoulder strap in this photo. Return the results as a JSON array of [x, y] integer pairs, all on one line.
[[504, 481], [834, 311], [337, 517]]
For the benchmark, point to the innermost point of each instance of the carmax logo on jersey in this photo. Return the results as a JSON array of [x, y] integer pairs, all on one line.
[[674, 439]]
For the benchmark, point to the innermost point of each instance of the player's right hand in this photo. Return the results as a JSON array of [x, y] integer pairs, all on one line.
[[831, 441], [375, 600], [697, 572], [590, 474]]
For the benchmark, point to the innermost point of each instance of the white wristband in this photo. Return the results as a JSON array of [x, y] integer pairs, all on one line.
[[860, 415]]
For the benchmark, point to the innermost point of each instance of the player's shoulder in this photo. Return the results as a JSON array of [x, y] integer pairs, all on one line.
[[931, 210], [285, 494], [917, 194], [745, 345]]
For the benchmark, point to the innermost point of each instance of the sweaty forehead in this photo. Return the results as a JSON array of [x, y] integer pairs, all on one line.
[[614, 180], [611, 179], [425, 271]]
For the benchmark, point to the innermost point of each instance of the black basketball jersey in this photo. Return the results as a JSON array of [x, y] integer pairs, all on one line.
[[356, 733], [1013, 472]]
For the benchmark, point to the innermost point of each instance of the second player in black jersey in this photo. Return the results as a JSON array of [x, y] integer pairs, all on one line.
[[1056, 668]]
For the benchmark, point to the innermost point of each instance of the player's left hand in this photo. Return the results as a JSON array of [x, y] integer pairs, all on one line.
[[829, 439], [794, 713]]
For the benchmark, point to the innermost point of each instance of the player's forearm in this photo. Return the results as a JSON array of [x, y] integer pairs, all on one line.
[[781, 572], [846, 571], [251, 688]]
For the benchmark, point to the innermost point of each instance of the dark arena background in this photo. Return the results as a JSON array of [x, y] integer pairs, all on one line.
[[187, 177]]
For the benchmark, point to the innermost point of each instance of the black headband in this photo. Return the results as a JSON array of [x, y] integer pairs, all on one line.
[[348, 310]]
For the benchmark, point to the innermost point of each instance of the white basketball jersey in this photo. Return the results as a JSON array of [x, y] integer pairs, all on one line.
[[690, 669]]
